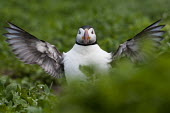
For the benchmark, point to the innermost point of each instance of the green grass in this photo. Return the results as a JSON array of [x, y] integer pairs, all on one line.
[[128, 88]]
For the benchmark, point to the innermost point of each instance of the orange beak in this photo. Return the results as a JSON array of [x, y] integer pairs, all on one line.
[[86, 36]]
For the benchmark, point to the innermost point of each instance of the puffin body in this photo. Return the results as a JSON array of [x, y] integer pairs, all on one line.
[[85, 52], [91, 55]]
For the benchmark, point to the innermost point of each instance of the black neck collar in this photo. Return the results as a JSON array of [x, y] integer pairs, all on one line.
[[86, 44]]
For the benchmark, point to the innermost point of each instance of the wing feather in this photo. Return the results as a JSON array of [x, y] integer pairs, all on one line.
[[132, 48], [31, 50]]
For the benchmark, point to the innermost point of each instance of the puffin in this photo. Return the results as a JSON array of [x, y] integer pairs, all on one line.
[[85, 52]]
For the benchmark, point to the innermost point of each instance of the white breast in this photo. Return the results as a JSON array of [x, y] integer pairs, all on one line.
[[85, 55]]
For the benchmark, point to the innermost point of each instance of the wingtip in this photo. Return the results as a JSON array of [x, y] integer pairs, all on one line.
[[164, 32], [9, 23], [5, 28], [4, 34], [163, 25], [158, 21]]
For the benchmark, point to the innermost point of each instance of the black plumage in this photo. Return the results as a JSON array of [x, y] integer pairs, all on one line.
[[86, 27]]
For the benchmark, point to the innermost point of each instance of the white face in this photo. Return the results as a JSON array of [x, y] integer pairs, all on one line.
[[86, 36]]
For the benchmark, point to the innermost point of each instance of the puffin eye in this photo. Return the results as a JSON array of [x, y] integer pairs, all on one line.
[[92, 32], [79, 32]]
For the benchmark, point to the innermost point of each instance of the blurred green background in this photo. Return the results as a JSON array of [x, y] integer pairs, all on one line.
[[128, 88]]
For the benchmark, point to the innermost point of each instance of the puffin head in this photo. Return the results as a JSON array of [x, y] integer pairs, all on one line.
[[86, 36]]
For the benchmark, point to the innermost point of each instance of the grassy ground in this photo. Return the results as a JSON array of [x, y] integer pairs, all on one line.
[[25, 88]]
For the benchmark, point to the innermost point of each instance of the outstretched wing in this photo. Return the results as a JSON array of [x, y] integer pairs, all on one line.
[[31, 50], [132, 48]]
